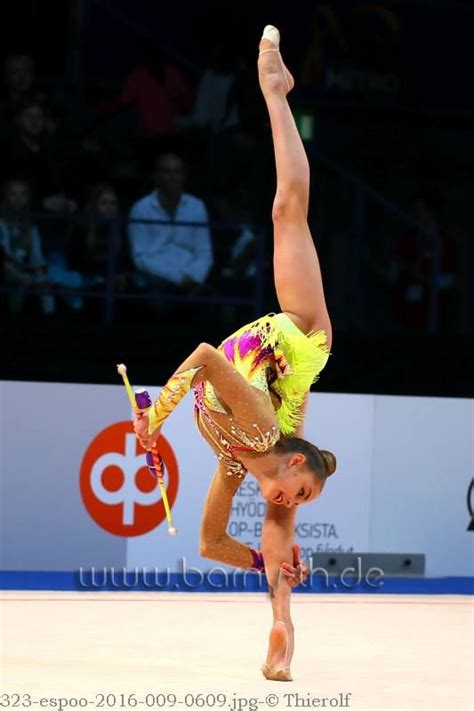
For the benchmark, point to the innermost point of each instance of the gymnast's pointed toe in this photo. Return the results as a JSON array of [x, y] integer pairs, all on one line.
[[271, 34], [274, 76], [277, 666]]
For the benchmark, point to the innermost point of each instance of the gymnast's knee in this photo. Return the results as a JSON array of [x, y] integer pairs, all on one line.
[[289, 203], [205, 351]]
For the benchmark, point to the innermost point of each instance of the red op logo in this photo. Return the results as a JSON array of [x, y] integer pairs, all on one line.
[[117, 488]]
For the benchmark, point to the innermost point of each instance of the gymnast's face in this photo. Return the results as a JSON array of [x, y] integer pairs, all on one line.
[[292, 484]]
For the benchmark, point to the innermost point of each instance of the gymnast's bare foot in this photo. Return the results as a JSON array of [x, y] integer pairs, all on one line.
[[280, 652], [273, 75]]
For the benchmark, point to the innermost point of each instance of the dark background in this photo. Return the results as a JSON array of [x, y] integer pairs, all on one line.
[[392, 109]]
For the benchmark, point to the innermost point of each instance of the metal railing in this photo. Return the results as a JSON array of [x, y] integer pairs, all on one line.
[[357, 230], [109, 295]]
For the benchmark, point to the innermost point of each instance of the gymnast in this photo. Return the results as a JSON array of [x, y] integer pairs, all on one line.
[[251, 392]]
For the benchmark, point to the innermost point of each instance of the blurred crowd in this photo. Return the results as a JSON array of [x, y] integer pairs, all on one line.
[[67, 176], [163, 187]]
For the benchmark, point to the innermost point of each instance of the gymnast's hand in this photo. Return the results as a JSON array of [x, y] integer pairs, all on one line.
[[296, 573], [140, 425]]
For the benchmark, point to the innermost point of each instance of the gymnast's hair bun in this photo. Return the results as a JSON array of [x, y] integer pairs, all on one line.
[[329, 461]]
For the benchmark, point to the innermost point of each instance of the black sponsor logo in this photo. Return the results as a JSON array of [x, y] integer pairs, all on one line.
[[470, 504]]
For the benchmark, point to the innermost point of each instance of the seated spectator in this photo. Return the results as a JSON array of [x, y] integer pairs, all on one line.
[[414, 255], [32, 153], [24, 263], [178, 257], [237, 245], [89, 244]]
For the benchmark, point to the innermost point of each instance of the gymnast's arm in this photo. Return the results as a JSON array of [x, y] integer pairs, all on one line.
[[215, 542], [277, 535]]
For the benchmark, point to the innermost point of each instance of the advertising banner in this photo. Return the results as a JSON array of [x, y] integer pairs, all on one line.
[[339, 521], [75, 491], [422, 468]]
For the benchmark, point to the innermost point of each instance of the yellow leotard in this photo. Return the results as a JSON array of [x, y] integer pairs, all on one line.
[[273, 355]]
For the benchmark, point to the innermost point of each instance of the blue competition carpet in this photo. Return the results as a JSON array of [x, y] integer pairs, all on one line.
[[117, 579]]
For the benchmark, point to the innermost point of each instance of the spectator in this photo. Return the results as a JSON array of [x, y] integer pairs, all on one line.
[[89, 245], [238, 255], [23, 263], [19, 84], [215, 108], [414, 253], [349, 43], [209, 130], [160, 94], [28, 154], [328, 34], [231, 162], [177, 256]]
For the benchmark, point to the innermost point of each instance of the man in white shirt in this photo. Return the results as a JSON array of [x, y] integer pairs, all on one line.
[[178, 256]]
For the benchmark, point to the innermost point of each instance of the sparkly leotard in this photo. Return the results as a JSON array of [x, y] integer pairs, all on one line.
[[275, 357]]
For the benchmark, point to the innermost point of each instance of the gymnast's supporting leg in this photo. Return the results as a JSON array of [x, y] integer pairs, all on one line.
[[277, 535]]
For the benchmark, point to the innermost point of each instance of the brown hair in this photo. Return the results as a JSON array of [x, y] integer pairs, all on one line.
[[320, 461]]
